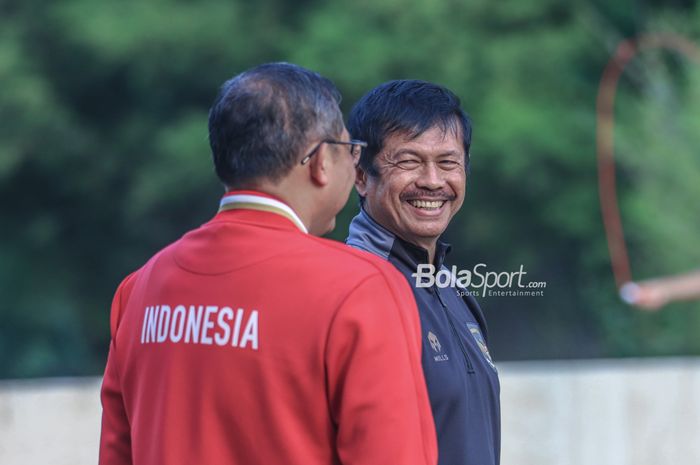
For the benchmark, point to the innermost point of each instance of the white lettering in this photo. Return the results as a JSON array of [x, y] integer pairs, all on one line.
[[143, 328], [520, 275], [425, 271], [163, 323], [200, 324], [179, 315], [251, 331], [224, 313], [152, 323], [208, 324], [443, 274], [504, 274], [465, 277], [237, 327], [194, 322], [479, 275]]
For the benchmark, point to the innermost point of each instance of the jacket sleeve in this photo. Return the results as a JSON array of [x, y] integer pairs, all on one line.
[[115, 437], [377, 392]]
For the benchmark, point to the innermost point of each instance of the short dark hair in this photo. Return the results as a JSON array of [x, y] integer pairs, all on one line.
[[263, 118], [405, 106]]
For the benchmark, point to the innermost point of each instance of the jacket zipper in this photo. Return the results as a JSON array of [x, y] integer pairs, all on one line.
[[470, 368]]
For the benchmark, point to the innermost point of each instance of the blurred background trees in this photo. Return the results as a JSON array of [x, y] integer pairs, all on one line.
[[104, 156]]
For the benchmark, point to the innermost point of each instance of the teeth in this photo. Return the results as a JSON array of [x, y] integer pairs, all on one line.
[[432, 204]]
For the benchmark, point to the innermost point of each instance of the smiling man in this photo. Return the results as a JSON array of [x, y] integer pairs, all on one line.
[[412, 181]]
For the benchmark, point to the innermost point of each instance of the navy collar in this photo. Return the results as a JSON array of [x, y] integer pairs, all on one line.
[[368, 235]]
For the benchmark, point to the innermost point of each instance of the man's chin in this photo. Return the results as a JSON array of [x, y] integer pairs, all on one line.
[[427, 224], [423, 234]]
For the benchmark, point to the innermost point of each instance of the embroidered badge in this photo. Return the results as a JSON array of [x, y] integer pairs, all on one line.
[[474, 330], [439, 356]]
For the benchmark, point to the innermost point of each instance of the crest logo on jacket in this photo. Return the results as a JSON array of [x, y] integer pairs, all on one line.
[[437, 348], [434, 342], [474, 330]]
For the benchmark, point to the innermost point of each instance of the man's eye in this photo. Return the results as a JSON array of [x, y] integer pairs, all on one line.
[[449, 164], [408, 164]]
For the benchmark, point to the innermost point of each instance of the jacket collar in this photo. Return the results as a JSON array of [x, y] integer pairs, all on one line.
[[368, 235], [253, 200]]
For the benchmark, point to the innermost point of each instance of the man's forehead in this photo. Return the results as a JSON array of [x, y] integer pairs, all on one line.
[[436, 139]]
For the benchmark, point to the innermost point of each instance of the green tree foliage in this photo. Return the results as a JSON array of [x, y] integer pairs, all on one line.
[[104, 156]]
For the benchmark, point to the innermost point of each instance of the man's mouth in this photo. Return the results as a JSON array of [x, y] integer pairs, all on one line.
[[427, 204]]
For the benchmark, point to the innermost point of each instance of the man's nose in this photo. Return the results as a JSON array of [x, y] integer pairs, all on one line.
[[431, 177]]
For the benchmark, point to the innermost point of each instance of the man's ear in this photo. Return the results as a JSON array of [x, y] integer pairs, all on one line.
[[361, 181], [319, 165]]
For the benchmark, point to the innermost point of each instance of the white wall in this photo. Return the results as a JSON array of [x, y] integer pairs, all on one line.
[[605, 412], [49, 421]]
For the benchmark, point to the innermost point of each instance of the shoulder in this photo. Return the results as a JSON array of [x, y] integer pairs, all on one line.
[[340, 258], [126, 287]]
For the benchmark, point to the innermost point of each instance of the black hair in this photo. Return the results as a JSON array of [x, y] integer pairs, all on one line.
[[263, 118], [405, 106]]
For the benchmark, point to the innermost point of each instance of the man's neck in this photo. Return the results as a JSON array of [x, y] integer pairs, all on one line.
[[293, 197]]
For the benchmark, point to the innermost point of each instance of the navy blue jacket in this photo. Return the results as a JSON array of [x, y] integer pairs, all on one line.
[[461, 378]]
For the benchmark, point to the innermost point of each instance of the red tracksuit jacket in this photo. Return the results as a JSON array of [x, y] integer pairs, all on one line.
[[250, 342]]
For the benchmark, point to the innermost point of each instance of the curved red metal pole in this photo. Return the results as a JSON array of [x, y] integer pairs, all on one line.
[[605, 128]]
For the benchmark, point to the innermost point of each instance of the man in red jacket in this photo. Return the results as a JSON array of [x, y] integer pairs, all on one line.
[[251, 341]]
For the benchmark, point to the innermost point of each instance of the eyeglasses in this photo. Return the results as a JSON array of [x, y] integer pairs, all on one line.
[[356, 147]]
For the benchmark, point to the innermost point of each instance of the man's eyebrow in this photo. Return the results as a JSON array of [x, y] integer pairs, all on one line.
[[405, 152], [449, 153]]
